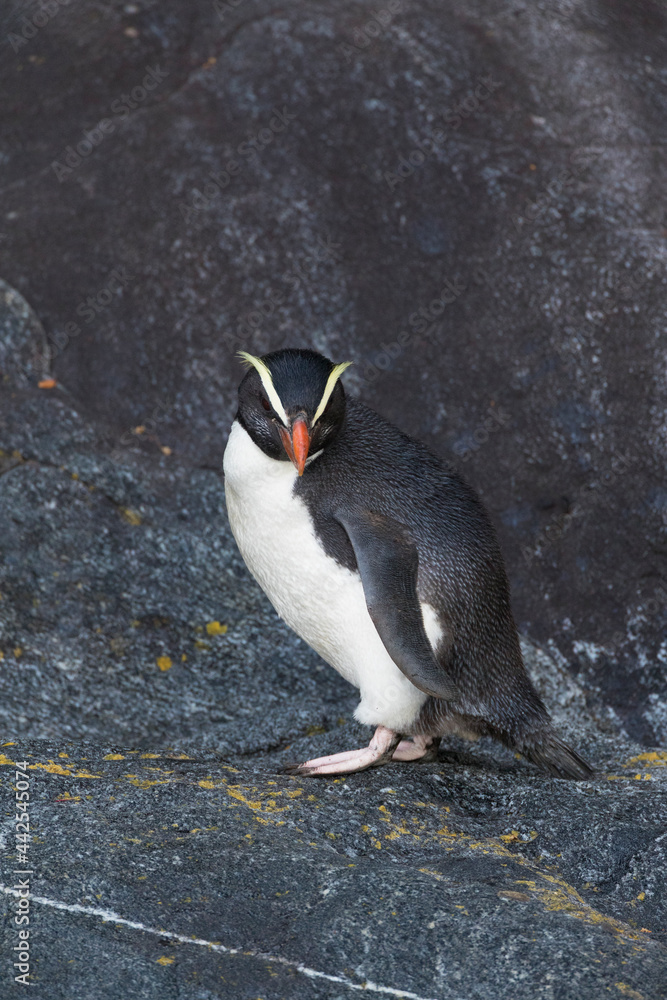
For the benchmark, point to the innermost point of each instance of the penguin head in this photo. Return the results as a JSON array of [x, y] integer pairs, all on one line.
[[292, 403]]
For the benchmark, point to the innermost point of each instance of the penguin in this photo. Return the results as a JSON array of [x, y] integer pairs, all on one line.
[[383, 559]]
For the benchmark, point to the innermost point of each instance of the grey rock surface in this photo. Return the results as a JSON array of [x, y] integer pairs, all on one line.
[[502, 294], [465, 199], [473, 877], [154, 694]]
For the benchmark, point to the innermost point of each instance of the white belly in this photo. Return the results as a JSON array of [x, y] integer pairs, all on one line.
[[323, 602]]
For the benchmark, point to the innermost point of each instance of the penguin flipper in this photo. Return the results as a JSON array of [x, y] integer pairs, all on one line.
[[388, 561]]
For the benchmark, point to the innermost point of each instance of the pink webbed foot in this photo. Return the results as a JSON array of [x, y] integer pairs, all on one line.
[[379, 751], [424, 748]]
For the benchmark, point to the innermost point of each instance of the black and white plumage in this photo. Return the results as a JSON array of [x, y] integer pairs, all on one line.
[[384, 560]]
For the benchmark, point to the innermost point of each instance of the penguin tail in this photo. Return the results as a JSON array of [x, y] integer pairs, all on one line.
[[555, 757]]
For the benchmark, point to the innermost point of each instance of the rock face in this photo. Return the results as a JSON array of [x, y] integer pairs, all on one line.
[[159, 875], [153, 695], [468, 203]]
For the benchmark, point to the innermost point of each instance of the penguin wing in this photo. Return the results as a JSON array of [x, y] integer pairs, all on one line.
[[388, 561]]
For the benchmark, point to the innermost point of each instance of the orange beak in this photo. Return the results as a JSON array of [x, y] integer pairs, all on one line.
[[298, 444]]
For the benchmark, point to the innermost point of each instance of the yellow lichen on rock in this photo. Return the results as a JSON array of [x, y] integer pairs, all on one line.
[[657, 758], [215, 628], [628, 991], [131, 516]]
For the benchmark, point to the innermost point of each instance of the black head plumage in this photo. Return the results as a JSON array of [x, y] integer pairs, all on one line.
[[287, 388]]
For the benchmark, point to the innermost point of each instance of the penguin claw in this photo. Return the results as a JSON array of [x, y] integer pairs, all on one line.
[[379, 751], [291, 768], [353, 761], [420, 748]]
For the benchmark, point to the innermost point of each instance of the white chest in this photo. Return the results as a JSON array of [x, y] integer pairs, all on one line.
[[276, 537], [322, 601]]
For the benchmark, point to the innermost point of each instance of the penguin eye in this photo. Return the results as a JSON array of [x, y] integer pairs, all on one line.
[[327, 407], [265, 403]]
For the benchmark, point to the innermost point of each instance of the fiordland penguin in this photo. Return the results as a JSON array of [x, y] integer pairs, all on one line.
[[384, 560]]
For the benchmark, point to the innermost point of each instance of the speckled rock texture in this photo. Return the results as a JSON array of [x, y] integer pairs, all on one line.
[[160, 876], [467, 199]]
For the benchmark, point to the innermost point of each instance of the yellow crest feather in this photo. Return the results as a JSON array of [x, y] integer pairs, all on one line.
[[336, 373], [267, 381]]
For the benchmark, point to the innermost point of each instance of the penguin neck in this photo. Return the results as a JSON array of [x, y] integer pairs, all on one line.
[[272, 449], [245, 459], [245, 462]]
